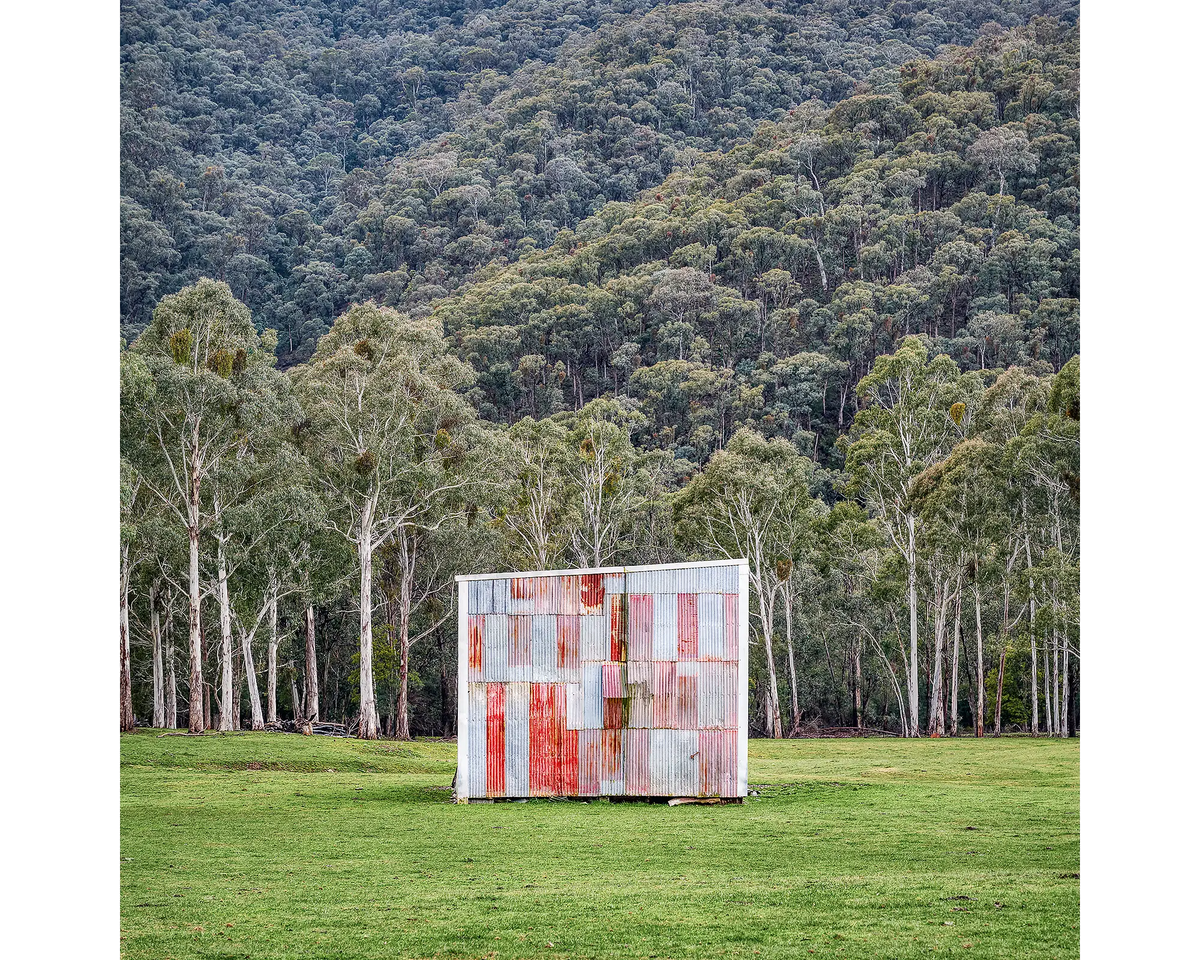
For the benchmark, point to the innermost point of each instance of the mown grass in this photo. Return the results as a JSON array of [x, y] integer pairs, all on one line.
[[272, 845]]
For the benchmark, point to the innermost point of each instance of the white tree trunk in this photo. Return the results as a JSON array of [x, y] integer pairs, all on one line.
[[172, 720], [256, 714], [127, 721], [368, 724], [979, 688], [196, 674], [1046, 686], [768, 625], [225, 723], [1057, 698], [273, 654], [953, 705], [1033, 664], [196, 678], [408, 559], [914, 724], [1066, 689], [160, 713], [937, 704]]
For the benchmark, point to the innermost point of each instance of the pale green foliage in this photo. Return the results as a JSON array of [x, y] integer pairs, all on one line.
[[374, 397]]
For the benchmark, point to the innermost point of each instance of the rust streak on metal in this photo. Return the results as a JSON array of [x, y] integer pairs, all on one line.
[[689, 627], [568, 642], [475, 646], [520, 641], [495, 739], [618, 628], [574, 687], [641, 625], [591, 593]]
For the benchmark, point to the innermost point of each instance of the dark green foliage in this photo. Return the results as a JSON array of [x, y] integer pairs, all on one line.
[[703, 220], [317, 154]]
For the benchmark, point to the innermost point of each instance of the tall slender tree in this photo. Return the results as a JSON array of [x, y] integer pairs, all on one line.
[[200, 351], [388, 435], [903, 427]]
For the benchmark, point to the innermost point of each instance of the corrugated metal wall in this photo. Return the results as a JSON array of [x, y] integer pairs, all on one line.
[[620, 683]]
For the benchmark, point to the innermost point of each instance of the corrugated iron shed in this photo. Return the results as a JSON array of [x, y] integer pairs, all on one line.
[[608, 682]]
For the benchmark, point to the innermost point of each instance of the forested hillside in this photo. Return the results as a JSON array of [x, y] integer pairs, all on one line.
[[412, 291], [316, 154]]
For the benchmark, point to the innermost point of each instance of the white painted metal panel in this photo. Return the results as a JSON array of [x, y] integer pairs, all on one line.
[[495, 648], [545, 649], [477, 738], [462, 781], [666, 639], [516, 739]]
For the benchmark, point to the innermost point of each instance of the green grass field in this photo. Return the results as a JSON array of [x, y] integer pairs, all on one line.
[[272, 845]]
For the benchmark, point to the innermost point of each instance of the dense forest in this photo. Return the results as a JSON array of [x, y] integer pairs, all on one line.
[[414, 291]]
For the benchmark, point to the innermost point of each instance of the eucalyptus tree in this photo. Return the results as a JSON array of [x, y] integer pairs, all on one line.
[[532, 515], [201, 351], [165, 551], [390, 439], [133, 495], [904, 426], [744, 504], [267, 548], [601, 467], [1046, 454], [252, 496], [1006, 410], [966, 508], [417, 567], [850, 553]]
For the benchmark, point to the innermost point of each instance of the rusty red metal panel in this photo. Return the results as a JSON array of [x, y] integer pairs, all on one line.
[[688, 626], [637, 763], [520, 595], [591, 755], [475, 627], [520, 647], [568, 643], [712, 762], [569, 763], [686, 712], [495, 739], [558, 729], [553, 749], [616, 713], [618, 628], [732, 630], [664, 695], [591, 593], [641, 625], [542, 772]]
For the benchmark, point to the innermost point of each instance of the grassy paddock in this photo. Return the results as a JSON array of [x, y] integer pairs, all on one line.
[[271, 845]]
